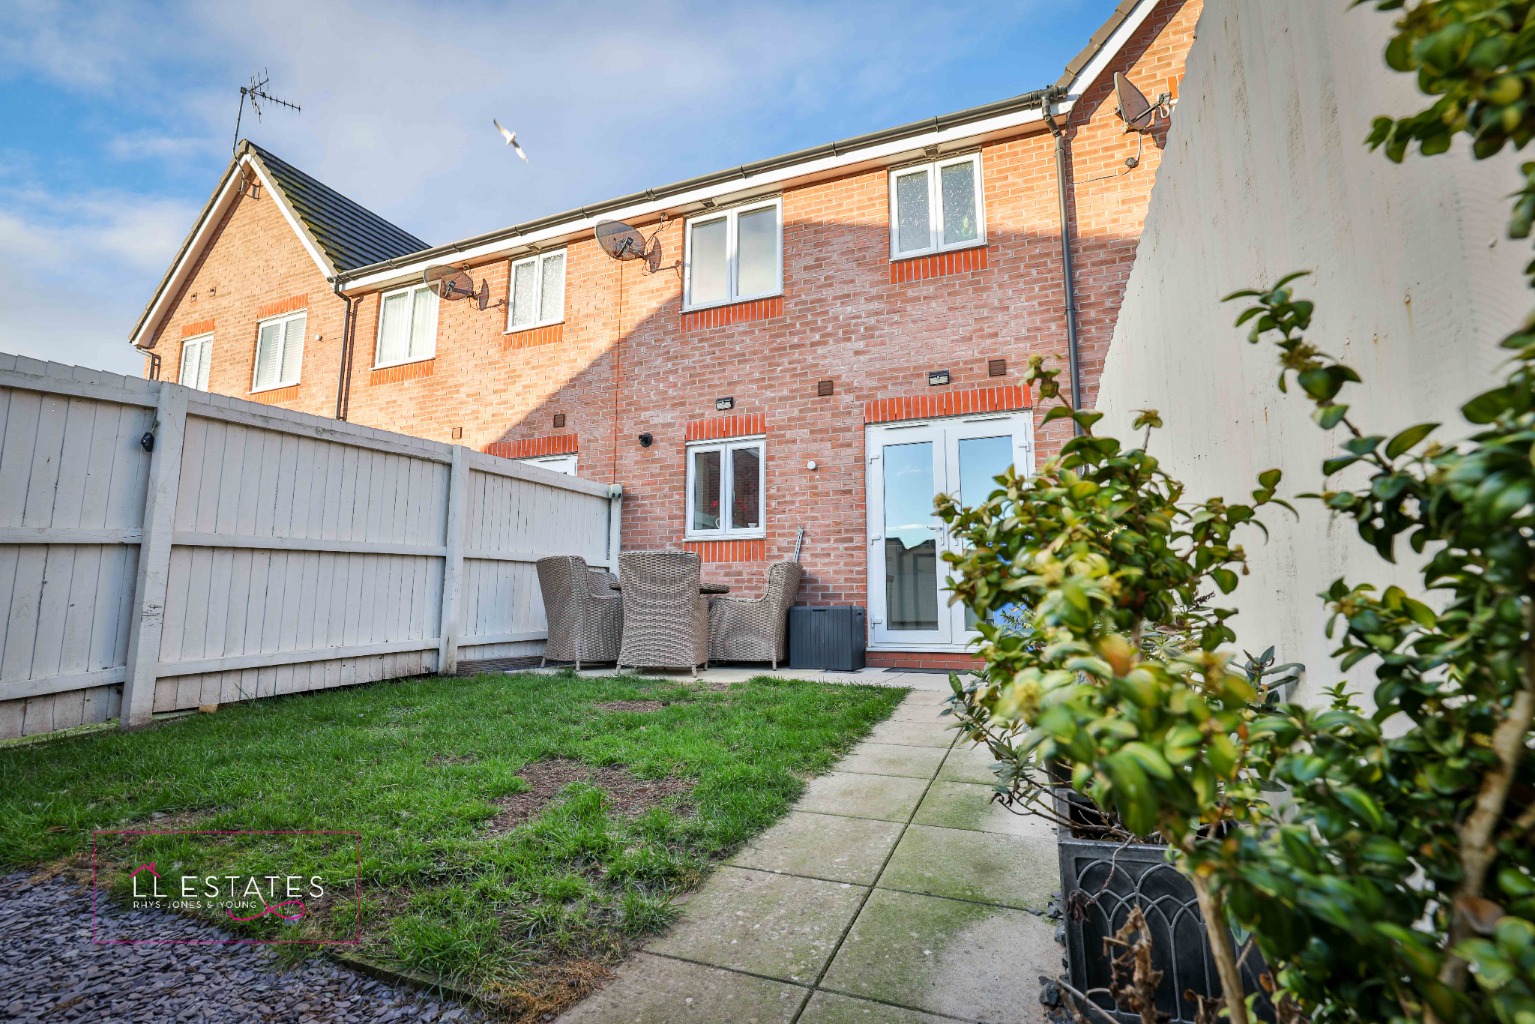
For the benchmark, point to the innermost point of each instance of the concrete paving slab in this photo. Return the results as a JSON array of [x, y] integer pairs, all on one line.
[[823, 846], [778, 926], [893, 759], [1009, 871], [965, 960], [657, 990], [969, 805], [929, 731], [969, 763], [885, 797], [827, 1008]]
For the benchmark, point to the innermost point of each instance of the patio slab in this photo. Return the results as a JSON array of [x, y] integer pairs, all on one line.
[[1003, 870], [885, 797], [969, 805], [893, 759], [965, 960], [969, 763], [778, 926], [930, 731], [658, 990], [828, 1008], [829, 846]]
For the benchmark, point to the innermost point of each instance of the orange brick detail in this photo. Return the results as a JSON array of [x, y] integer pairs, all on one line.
[[533, 447], [277, 396], [920, 268], [947, 403], [735, 313], [923, 659], [200, 327], [291, 304], [728, 550], [727, 426], [405, 371], [551, 335]]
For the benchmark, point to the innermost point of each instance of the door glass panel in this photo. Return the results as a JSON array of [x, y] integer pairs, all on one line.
[[911, 538], [981, 459]]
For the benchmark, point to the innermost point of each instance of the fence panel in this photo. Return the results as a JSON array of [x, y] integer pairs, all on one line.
[[298, 552]]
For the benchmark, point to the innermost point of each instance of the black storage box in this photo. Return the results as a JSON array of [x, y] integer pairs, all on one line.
[[829, 638]]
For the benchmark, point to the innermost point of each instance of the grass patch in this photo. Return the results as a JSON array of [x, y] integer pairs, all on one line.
[[423, 767]]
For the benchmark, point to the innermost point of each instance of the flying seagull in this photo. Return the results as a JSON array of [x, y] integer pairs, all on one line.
[[511, 139]]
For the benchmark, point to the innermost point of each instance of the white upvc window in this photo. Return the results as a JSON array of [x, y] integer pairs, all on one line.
[[936, 207], [196, 355], [734, 255], [407, 326], [279, 351], [537, 291], [727, 482], [565, 464]]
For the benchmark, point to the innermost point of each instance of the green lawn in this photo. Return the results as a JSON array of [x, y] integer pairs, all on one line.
[[415, 765]]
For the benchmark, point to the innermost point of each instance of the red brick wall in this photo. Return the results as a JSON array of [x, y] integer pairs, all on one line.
[[256, 267], [846, 315]]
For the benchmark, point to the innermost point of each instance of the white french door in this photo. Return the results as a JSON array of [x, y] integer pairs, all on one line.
[[909, 464]]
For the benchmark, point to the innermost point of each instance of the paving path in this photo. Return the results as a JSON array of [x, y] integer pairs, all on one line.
[[894, 892]]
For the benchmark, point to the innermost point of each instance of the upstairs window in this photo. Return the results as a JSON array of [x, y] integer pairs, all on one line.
[[734, 255], [279, 351], [407, 326], [538, 291], [936, 207], [196, 355], [726, 482]]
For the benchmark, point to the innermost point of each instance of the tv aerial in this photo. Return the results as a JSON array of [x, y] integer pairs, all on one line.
[[1139, 114], [452, 284], [623, 243], [257, 94]]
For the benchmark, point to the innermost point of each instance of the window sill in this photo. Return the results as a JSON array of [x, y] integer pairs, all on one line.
[[979, 243], [274, 396], [532, 337], [274, 387], [942, 264], [732, 302], [396, 372], [405, 362], [533, 327], [697, 538]]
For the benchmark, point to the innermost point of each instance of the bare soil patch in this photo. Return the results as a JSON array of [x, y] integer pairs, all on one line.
[[549, 990], [631, 705], [629, 796]]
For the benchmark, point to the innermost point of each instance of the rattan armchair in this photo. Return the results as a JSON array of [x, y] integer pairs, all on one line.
[[585, 613], [753, 628], [666, 619]]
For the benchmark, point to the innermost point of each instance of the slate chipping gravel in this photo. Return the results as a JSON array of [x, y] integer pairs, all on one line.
[[50, 970]]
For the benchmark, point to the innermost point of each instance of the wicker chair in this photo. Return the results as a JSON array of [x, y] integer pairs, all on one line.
[[585, 613], [752, 628], [666, 619]]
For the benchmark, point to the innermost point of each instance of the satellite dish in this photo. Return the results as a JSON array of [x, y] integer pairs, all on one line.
[[619, 240], [625, 243], [1138, 113], [449, 282], [482, 297]]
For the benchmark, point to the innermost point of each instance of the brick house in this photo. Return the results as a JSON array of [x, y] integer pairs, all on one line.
[[827, 339]]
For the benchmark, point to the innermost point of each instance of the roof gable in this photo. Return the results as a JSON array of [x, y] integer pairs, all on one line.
[[339, 234]]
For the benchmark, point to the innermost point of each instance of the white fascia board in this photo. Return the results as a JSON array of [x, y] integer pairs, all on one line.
[[826, 167], [204, 231], [1108, 52]]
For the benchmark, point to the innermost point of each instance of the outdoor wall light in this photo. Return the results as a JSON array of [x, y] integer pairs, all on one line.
[[646, 440]]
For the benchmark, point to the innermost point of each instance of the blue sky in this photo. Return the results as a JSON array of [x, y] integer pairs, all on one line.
[[116, 119]]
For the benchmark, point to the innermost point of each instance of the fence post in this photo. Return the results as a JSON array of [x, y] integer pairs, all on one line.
[[615, 523], [148, 611], [453, 569]]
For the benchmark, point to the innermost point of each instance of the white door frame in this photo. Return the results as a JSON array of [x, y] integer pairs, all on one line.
[[944, 434]]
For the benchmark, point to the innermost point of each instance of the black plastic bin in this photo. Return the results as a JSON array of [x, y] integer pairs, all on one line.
[[828, 638]]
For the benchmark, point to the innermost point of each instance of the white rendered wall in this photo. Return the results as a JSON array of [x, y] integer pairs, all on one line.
[[1415, 282]]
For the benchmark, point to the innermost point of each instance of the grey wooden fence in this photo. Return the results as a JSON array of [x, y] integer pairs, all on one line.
[[163, 548]]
